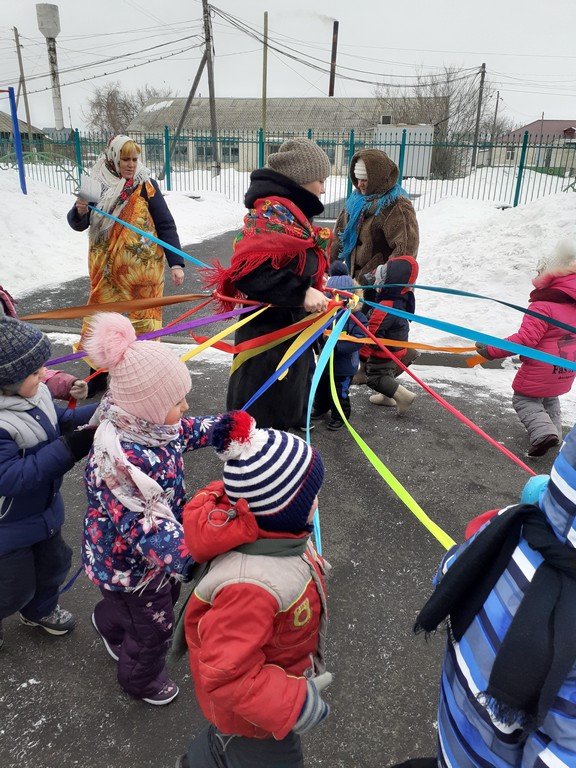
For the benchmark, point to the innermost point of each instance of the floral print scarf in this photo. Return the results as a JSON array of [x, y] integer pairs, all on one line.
[[132, 487]]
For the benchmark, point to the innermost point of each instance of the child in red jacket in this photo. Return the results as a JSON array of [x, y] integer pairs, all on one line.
[[255, 625]]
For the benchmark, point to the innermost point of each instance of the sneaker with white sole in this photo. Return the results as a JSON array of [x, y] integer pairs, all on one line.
[[59, 622], [112, 649], [165, 695]]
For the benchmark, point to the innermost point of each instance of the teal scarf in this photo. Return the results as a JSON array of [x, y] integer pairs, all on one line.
[[358, 207]]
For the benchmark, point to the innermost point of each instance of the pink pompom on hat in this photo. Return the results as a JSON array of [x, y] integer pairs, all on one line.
[[146, 378]]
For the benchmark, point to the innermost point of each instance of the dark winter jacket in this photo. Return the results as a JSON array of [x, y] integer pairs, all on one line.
[[347, 353], [31, 507], [163, 221], [384, 325], [282, 405]]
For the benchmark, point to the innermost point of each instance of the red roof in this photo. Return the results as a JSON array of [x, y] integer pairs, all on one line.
[[546, 128]]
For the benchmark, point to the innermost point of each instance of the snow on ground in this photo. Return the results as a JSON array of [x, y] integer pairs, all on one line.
[[40, 249], [471, 245]]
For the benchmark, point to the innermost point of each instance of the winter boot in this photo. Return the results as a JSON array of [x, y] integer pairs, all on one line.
[[379, 399], [360, 376], [543, 446], [403, 399]]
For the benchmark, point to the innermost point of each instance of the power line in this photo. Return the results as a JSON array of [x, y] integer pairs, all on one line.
[[79, 67], [238, 24], [124, 69]]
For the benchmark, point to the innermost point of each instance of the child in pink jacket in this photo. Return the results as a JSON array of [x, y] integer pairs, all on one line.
[[537, 385]]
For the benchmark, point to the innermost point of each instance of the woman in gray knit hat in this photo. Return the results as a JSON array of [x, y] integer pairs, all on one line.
[[279, 258]]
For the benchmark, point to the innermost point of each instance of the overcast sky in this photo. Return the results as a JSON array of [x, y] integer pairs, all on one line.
[[528, 47]]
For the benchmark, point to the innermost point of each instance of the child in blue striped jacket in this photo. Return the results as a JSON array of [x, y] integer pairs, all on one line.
[[509, 598]]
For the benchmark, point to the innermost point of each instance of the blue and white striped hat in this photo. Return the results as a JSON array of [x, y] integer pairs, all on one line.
[[277, 473]]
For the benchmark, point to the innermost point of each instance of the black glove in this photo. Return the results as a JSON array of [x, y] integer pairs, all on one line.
[[482, 349], [315, 710], [79, 442]]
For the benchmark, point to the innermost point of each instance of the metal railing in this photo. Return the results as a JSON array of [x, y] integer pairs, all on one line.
[[509, 170]]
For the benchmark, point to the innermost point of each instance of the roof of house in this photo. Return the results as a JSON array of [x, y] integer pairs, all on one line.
[[282, 114], [544, 128], [6, 125]]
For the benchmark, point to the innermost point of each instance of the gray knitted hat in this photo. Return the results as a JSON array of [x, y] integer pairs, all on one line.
[[301, 160], [23, 350]]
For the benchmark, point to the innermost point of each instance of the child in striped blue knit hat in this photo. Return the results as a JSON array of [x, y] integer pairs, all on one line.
[[256, 622]]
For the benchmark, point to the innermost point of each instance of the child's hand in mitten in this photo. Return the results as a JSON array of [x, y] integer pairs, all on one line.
[[482, 349], [79, 390], [315, 710], [79, 441]]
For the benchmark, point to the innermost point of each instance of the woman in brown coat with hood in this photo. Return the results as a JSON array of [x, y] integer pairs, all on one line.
[[378, 220]]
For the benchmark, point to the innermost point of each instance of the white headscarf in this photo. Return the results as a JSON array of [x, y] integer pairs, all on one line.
[[112, 184]]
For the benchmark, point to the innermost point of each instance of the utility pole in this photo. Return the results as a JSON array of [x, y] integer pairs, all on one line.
[[24, 92], [184, 112], [210, 64], [478, 115], [494, 126], [333, 58], [264, 74]]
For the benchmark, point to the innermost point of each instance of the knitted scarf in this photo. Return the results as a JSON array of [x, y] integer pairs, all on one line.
[[358, 208], [538, 650], [276, 231], [112, 467]]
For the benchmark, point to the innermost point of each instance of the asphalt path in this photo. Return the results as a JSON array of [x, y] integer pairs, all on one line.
[[60, 705]]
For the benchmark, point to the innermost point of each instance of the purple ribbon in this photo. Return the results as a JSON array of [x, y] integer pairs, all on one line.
[[167, 331]]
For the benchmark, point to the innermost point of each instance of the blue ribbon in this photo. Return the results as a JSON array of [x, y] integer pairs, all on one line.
[[483, 338], [321, 363], [456, 292]]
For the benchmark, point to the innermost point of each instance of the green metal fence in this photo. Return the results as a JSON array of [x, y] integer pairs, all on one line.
[[508, 170]]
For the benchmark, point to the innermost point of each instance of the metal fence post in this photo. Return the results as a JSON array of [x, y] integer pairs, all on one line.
[[401, 156], [521, 168], [350, 154], [260, 148], [78, 154], [167, 166], [17, 140]]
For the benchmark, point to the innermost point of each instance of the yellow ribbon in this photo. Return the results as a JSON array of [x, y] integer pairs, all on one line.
[[212, 340], [444, 539], [303, 337]]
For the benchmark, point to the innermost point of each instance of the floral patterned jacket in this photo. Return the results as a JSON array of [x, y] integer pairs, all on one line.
[[119, 551]]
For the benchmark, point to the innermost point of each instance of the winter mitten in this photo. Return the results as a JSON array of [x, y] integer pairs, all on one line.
[[315, 710], [79, 390], [482, 349], [79, 442]]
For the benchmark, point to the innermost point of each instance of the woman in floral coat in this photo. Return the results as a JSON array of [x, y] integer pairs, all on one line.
[[122, 264]]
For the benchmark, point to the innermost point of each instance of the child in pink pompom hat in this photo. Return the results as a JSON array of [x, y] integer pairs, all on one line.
[[133, 542]]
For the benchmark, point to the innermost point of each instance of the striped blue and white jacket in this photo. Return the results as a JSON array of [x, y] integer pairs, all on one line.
[[469, 736]]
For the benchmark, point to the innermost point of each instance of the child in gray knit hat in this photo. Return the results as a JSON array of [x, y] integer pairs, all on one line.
[[38, 444]]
